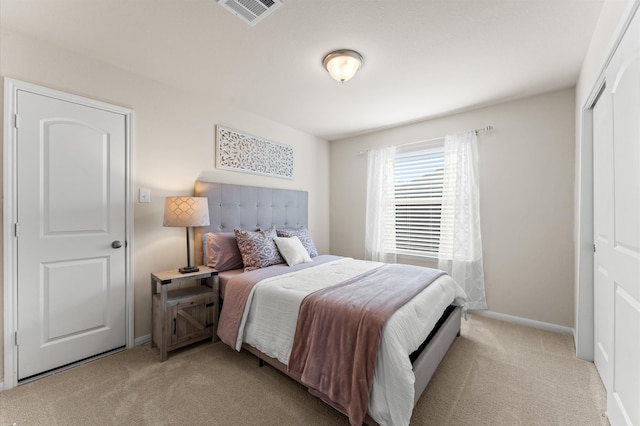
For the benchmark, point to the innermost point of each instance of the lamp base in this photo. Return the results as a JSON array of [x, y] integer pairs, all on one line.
[[188, 269]]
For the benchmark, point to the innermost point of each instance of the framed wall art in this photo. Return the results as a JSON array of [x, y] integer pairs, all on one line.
[[241, 152]]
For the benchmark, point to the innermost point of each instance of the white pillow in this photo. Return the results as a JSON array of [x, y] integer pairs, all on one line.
[[292, 250]]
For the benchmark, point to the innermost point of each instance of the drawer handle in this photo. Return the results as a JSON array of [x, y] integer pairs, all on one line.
[[208, 305], [174, 326]]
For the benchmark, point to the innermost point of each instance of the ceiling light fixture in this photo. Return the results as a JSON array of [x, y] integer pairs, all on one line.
[[342, 64]]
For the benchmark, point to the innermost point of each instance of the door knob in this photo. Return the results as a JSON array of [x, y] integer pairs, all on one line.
[[116, 244]]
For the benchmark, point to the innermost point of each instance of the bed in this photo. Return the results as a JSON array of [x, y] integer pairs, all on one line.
[[413, 338]]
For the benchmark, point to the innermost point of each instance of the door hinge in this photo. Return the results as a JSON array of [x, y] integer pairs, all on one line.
[[16, 229], [594, 248], [15, 120], [16, 338]]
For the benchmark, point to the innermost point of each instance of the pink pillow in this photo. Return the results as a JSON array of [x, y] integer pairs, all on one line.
[[221, 251]]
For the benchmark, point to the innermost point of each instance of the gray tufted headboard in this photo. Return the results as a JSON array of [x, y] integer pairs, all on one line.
[[249, 207]]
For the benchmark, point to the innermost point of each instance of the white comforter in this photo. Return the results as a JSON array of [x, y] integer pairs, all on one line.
[[270, 323]]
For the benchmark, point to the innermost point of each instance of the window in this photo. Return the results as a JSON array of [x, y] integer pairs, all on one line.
[[418, 177], [423, 201]]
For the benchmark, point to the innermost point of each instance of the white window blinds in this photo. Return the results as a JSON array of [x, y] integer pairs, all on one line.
[[418, 177]]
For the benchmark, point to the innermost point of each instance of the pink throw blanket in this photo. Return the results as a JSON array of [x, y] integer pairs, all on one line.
[[237, 293], [339, 330]]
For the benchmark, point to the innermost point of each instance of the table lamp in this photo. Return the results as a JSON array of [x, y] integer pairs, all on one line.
[[187, 212]]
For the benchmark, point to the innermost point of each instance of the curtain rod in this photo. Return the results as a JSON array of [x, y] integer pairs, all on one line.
[[484, 129]]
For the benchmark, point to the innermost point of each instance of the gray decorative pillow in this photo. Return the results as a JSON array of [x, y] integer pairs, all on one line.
[[303, 235], [257, 248]]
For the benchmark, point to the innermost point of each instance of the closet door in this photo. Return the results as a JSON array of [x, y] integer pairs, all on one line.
[[603, 286], [618, 167]]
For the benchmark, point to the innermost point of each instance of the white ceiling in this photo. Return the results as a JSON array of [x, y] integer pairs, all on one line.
[[423, 58]]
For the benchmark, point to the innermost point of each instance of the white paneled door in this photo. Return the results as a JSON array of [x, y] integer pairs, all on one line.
[[617, 231], [71, 217], [603, 290]]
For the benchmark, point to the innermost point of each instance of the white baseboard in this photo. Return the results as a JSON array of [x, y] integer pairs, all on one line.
[[525, 321], [142, 340]]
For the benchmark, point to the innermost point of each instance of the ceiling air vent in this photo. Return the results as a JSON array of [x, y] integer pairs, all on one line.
[[251, 11]]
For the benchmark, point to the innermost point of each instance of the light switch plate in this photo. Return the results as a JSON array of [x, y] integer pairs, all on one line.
[[144, 195]]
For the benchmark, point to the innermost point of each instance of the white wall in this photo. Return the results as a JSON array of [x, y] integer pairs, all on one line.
[[173, 146], [526, 199]]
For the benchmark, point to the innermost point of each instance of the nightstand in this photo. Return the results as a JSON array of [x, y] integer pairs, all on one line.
[[184, 315]]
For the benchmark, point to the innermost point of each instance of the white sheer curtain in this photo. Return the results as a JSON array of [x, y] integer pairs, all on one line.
[[460, 252], [380, 240]]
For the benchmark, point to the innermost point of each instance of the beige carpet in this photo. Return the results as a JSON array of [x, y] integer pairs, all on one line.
[[494, 374]]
